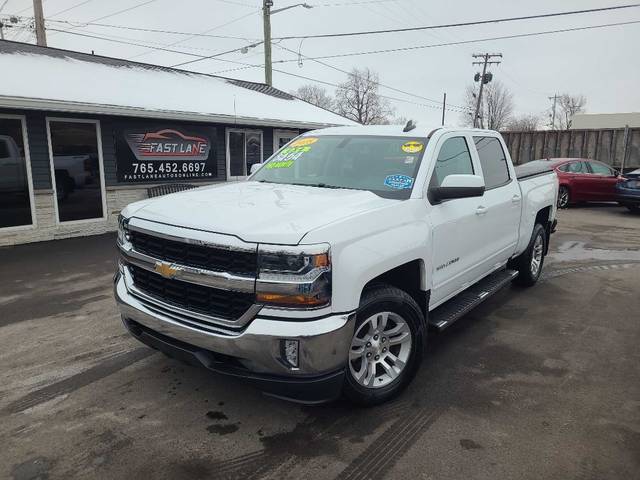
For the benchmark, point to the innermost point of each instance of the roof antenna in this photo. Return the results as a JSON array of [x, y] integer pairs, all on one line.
[[409, 126]]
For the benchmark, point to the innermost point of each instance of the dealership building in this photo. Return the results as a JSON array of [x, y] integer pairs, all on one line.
[[82, 136]]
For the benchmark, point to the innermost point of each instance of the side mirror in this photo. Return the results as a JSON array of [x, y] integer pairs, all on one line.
[[254, 168], [457, 186]]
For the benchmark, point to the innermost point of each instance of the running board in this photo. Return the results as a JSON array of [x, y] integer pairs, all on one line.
[[453, 309]]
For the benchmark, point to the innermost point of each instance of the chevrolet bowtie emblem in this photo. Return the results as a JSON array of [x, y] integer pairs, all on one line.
[[165, 269]]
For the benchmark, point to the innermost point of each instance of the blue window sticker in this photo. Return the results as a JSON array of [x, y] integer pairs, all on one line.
[[399, 182]]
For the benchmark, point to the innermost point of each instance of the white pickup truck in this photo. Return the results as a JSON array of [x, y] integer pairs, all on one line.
[[322, 272]]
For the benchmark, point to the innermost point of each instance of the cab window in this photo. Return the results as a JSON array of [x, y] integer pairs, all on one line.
[[453, 159], [493, 162]]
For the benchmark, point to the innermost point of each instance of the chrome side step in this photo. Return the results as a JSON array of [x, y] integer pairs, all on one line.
[[453, 309]]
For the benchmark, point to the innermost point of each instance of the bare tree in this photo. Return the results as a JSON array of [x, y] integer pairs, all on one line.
[[496, 108], [315, 95], [568, 106], [524, 123], [358, 99]]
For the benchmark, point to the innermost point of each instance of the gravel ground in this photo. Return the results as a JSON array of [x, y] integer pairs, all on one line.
[[536, 383]]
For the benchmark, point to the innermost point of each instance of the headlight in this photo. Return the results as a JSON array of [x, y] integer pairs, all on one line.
[[294, 277], [123, 230]]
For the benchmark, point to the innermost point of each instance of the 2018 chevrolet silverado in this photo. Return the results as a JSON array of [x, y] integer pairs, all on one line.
[[322, 272]]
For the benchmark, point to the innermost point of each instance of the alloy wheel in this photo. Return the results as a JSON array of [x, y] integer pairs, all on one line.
[[380, 350], [536, 256]]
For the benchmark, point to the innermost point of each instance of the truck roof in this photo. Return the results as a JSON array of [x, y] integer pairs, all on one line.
[[393, 130]]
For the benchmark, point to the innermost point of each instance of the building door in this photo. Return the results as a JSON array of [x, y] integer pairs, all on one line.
[[244, 148], [16, 189], [77, 170], [282, 137]]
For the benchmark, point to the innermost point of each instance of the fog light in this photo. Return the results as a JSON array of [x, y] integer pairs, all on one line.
[[290, 350]]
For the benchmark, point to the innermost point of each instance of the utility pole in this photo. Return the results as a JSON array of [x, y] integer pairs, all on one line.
[[444, 105], [1, 24], [553, 111], [485, 78], [41, 37], [266, 20]]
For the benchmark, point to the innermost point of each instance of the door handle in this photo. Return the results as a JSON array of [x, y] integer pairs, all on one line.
[[481, 210], [515, 199]]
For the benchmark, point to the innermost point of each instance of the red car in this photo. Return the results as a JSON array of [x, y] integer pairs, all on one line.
[[583, 180]]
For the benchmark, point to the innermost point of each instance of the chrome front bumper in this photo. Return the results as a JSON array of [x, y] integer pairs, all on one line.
[[324, 342]]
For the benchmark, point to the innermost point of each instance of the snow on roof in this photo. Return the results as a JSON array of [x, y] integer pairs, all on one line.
[[53, 79]]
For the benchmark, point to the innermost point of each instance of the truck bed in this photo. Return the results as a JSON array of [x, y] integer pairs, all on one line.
[[533, 169]]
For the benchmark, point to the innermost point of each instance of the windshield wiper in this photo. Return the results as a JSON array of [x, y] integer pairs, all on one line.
[[322, 185]]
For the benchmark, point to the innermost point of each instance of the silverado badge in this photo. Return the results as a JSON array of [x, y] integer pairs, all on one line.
[[165, 269]]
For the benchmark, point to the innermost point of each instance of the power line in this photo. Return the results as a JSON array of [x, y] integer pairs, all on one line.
[[98, 37], [333, 67], [463, 42], [119, 12], [206, 31], [462, 24], [323, 82], [348, 4], [70, 8], [79, 24]]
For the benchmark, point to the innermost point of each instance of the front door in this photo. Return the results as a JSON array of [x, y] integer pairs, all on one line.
[[244, 148], [456, 258], [601, 182]]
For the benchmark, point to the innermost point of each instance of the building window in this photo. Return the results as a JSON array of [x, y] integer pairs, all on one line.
[[76, 164], [244, 148], [282, 137], [15, 180]]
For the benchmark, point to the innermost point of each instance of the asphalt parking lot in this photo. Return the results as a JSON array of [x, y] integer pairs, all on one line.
[[537, 383]]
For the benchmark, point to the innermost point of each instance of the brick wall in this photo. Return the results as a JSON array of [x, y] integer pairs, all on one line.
[[45, 227]]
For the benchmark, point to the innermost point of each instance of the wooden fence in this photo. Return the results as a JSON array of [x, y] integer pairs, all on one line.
[[609, 145]]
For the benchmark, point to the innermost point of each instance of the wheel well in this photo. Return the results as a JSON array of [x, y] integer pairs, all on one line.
[[406, 277], [542, 217]]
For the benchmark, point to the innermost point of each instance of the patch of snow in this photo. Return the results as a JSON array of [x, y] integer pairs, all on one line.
[[66, 79]]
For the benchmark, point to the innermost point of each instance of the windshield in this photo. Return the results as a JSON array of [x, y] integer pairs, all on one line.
[[386, 166]]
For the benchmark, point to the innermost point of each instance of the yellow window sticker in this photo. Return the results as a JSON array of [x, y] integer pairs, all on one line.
[[302, 142], [412, 147], [279, 164]]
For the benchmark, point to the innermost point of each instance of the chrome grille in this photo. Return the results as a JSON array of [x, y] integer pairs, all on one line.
[[207, 257], [225, 304]]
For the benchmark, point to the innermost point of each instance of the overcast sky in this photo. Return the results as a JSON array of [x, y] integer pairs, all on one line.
[[602, 64]]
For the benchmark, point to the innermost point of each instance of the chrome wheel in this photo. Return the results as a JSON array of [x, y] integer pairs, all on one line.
[[563, 198], [380, 349], [536, 255]]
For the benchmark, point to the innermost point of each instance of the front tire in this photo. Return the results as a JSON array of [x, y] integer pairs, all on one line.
[[386, 347], [529, 263]]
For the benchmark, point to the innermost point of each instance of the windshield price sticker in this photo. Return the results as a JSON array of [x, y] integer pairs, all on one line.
[[287, 156], [398, 182], [302, 142], [412, 147], [279, 164]]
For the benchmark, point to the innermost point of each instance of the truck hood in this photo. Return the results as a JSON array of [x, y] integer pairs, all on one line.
[[258, 212]]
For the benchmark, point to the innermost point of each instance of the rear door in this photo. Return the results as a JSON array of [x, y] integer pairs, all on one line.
[[456, 256], [501, 204]]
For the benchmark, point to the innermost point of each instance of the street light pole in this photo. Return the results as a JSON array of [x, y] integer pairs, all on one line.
[[266, 22]]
